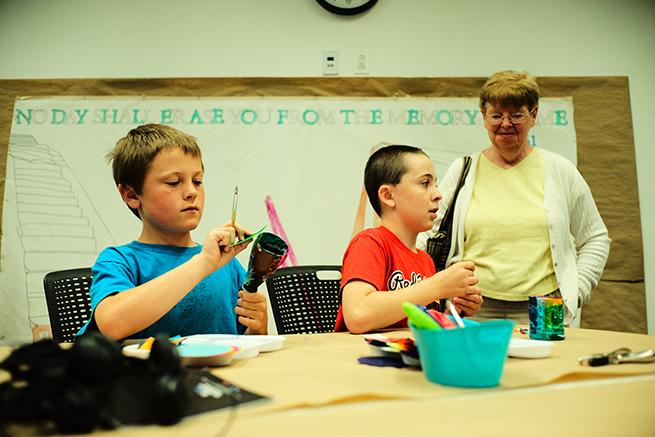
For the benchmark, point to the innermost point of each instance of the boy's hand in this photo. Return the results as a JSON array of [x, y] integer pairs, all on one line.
[[458, 280], [239, 231], [251, 309], [215, 248]]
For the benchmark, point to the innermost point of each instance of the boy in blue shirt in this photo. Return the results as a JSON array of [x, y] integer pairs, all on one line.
[[164, 281]]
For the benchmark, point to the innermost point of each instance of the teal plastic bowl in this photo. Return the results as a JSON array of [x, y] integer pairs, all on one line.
[[472, 356]]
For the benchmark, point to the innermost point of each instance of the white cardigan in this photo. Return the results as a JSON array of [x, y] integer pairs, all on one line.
[[579, 242]]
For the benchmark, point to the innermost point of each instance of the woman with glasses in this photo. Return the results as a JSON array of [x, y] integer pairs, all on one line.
[[525, 216]]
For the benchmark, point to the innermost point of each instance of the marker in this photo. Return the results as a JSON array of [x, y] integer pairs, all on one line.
[[442, 319], [177, 340], [418, 317], [147, 345], [249, 237], [426, 311]]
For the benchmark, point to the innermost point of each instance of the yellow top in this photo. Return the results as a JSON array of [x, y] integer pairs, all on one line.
[[506, 233]]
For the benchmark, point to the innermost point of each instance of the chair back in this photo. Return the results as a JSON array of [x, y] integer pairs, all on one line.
[[68, 300], [305, 299]]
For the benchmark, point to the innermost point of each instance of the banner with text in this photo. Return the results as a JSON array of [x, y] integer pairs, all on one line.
[[308, 154]]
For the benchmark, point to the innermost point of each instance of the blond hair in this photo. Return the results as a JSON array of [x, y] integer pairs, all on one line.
[[510, 88], [133, 154]]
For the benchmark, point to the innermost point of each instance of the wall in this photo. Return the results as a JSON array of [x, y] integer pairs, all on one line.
[[408, 38]]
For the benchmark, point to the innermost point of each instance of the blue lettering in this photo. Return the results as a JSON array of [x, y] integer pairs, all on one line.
[[135, 116], [27, 118], [196, 118], [166, 116], [376, 116], [306, 119], [58, 116], [253, 116], [448, 120], [560, 118], [81, 115], [216, 116], [347, 113], [532, 140], [282, 115], [412, 116], [471, 115]]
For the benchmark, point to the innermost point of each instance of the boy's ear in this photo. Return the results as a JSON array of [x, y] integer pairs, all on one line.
[[129, 196], [385, 194]]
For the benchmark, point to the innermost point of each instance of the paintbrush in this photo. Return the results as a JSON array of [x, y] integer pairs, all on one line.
[[456, 316], [235, 201]]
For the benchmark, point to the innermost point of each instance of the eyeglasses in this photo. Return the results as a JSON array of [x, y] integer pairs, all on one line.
[[495, 119]]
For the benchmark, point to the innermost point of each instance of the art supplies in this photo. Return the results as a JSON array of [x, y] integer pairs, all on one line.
[[522, 331], [235, 201], [277, 228], [546, 318], [442, 319], [419, 317], [266, 255], [177, 340], [249, 237], [622, 355], [211, 349], [192, 355], [470, 357], [455, 314], [249, 346], [146, 345], [391, 351], [416, 314]]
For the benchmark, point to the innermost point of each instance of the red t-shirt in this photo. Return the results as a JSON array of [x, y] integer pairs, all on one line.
[[377, 256]]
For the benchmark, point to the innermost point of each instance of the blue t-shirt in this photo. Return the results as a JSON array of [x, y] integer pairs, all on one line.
[[207, 309]]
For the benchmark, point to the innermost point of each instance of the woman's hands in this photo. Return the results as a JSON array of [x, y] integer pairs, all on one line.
[[468, 304]]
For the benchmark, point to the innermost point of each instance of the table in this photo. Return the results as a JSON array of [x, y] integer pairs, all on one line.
[[318, 388]]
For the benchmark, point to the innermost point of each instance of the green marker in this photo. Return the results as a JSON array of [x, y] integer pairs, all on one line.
[[419, 318]]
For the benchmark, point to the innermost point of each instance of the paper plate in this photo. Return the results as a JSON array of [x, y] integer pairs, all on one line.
[[524, 348], [247, 348], [249, 345], [196, 355]]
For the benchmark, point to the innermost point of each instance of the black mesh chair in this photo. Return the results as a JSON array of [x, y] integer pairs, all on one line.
[[69, 303], [304, 299]]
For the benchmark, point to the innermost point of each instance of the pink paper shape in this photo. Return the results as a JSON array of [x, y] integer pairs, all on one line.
[[279, 230]]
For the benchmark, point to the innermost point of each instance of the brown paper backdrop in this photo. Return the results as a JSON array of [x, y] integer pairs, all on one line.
[[603, 124]]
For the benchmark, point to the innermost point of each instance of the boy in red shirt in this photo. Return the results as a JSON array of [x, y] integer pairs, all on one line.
[[382, 266]]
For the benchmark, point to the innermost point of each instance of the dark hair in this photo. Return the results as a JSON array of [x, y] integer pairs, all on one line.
[[134, 153], [386, 166]]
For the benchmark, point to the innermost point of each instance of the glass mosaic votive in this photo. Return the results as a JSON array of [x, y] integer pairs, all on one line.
[[546, 318]]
